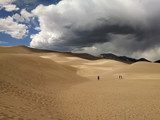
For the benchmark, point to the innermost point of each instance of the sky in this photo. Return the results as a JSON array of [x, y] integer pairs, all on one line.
[[122, 27]]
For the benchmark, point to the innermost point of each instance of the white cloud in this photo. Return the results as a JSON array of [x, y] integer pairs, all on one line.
[[12, 26], [37, 28], [26, 15], [8, 26], [44, 39], [18, 18], [8, 6], [4, 2]]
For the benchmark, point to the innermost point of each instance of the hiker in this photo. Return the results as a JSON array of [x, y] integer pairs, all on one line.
[[120, 76], [98, 77]]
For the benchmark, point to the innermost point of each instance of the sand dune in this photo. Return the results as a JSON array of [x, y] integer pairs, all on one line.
[[30, 86], [20, 49], [87, 67], [59, 86]]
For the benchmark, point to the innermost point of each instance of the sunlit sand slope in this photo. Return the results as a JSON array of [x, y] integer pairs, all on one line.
[[30, 86], [87, 68]]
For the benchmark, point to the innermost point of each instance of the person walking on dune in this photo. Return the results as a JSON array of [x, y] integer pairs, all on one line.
[[98, 77], [120, 77]]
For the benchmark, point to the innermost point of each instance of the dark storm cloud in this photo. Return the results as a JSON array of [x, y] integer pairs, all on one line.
[[97, 35], [125, 27]]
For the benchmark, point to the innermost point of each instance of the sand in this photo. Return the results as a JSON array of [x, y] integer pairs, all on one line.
[[57, 86]]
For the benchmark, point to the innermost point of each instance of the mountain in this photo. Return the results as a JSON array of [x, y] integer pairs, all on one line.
[[122, 58], [143, 59], [158, 61]]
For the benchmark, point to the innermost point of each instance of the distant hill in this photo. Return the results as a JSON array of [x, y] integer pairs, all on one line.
[[122, 58], [158, 61], [28, 50]]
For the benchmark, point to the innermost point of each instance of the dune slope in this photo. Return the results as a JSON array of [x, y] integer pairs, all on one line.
[[20, 49], [29, 86]]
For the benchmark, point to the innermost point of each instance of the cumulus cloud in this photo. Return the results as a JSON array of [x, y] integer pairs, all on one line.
[[8, 6], [18, 18], [24, 16], [124, 27], [5, 2], [16, 30]]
